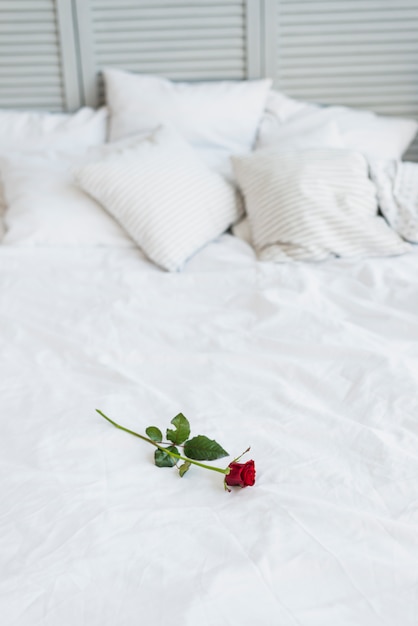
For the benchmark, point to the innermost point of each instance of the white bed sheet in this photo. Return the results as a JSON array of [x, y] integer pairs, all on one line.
[[315, 366]]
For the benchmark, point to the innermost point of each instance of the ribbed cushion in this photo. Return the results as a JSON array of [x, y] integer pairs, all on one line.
[[167, 200], [313, 204]]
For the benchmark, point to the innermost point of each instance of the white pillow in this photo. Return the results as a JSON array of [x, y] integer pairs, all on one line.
[[313, 204], [282, 108], [223, 115], [45, 208], [29, 131], [373, 135], [168, 200], [325, 136]]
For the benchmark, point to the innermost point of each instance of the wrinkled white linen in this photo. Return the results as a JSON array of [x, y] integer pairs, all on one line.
[[314, 365], [397, 194]]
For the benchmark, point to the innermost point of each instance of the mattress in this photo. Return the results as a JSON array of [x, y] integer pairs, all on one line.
[[313, 365]]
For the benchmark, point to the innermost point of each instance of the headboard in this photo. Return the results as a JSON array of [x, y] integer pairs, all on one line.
[[360, 53]]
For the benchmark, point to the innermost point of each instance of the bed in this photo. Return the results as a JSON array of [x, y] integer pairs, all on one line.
[[313, 363], [315, 367]]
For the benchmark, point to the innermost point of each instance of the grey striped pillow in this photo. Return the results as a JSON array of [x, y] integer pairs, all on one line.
[[313, 204], [168, 201]]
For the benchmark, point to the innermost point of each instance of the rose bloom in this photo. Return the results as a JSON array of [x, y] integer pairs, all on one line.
[[241, 474]]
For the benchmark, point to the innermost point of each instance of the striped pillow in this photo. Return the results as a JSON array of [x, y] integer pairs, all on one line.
[[167, 200], [311, 205]]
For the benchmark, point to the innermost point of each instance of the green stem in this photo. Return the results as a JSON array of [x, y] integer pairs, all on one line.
[[238, 457], [157, 445]]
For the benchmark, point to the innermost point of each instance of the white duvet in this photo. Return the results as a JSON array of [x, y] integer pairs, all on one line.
[[315, 366]]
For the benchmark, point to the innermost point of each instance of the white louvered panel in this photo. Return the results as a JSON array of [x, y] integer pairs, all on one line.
[[193, 41], [30, 60], [179, 39], [360, 53]]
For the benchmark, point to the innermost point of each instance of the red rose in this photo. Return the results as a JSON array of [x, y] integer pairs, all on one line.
[[241, 474]]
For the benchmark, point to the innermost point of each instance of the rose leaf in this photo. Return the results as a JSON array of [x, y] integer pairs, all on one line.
[[162, 459], [182, 430], [184, 468], [202, 448], [154, 433]]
